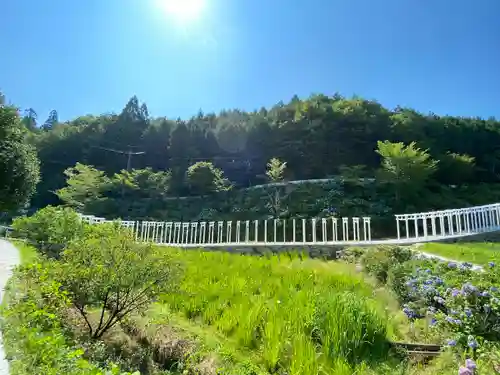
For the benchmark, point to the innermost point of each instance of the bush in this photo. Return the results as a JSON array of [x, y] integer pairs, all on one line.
[[50, 229], [379, 260], [107, 270], [396, 280], [34, 334]]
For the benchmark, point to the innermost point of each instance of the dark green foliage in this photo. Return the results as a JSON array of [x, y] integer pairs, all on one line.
[[50, 229], [317, 137], [19, 165]]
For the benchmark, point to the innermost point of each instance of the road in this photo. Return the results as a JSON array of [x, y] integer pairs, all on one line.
[[9, 257]]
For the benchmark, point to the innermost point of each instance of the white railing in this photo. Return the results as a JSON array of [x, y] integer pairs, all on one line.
[[411, 228], [448, 223], [251, 232]]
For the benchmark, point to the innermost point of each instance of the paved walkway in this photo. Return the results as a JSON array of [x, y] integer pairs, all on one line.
[[9, 257], [424, 254]]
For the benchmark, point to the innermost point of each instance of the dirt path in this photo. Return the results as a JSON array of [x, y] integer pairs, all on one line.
[[9, 257]]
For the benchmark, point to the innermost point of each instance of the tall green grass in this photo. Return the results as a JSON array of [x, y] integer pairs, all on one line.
[[302, 316]]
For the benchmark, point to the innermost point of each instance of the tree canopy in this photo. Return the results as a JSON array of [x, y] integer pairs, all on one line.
[[19, 166], [318, 137]]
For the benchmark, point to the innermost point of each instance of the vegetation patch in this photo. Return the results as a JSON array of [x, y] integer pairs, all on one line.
[[480, 253]]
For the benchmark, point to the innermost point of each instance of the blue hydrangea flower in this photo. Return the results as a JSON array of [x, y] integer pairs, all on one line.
[[433, 322], [451, 343], [455, 292], [471, 343], [427, 271], [449, 319], [468, 312], [452, 265], [491, 264], [439, 300], [494, 289], [485, 294], [468, 288]]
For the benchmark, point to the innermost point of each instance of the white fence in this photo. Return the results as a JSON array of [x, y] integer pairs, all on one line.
[[435, 225], [411, 228], [256, 232]]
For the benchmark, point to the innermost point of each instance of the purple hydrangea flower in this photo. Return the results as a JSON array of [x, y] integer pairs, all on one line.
[[449, 319], [465, 371], [451, 343], [433, 322], [470, 364], [452, 265], [455, 292]]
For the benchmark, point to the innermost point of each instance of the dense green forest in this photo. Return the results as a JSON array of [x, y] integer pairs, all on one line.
[[424, 161]]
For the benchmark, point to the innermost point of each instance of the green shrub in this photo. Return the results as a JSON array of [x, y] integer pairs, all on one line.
[[353, 254], [379, 260], [50, 229], [34, 335], [377, 264], [397, 276], [108, 270]]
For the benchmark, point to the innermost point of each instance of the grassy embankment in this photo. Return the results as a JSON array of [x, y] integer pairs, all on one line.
[[480, 253]]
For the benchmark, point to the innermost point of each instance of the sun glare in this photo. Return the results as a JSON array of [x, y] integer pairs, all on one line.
[[182, 11]]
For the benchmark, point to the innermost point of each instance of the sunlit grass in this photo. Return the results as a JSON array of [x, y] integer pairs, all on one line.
[[474, 252], [27, 253], [302, 316]]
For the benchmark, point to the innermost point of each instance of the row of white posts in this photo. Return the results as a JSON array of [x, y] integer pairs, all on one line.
[[449, 223], [268, 232]]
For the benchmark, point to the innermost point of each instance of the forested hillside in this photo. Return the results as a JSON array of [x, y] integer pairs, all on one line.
[[442, 161]]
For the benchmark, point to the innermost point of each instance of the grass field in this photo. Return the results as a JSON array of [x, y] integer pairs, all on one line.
[[301, 316], [475, 252]]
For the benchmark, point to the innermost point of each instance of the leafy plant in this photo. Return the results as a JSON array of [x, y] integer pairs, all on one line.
[[204, 178], [50, 229], [107, 270], [34, 334]]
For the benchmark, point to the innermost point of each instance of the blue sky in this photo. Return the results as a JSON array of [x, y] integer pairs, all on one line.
[[91, 56]]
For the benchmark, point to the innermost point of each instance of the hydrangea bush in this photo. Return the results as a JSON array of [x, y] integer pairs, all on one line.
[[456, 301]]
